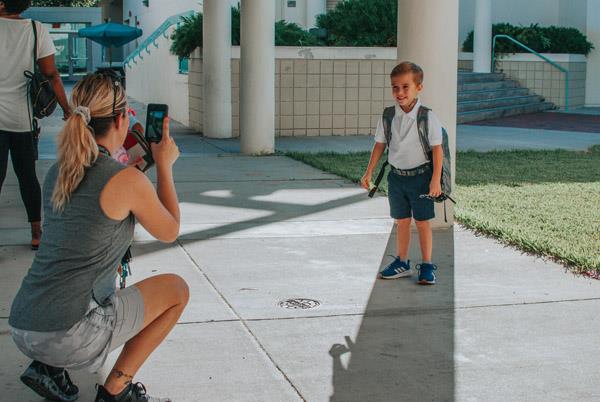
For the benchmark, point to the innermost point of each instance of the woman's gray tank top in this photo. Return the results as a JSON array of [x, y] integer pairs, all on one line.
[[78, 257]]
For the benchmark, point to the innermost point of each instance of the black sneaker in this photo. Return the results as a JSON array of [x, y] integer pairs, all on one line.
[[132, 393], [50, 382]]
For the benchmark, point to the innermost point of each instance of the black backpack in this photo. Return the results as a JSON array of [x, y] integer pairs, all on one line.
[[423, 129], [39, 89]]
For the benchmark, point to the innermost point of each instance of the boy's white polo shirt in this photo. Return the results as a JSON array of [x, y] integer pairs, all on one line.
[[405, 150]]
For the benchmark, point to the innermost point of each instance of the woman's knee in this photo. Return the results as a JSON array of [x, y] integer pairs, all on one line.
[[171, 289], [180, 287]]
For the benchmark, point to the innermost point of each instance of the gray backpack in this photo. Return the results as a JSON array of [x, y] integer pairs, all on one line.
[[423, 128]]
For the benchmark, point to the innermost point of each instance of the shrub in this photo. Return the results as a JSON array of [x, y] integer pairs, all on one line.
[[188, 36], [350, 23], [291, 34], [541, 39], [65, 3], [361, 23]]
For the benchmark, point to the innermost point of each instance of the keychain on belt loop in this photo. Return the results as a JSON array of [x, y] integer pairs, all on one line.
[[124, 269]]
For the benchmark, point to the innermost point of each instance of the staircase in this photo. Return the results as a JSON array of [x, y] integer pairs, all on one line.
[[483, 96]]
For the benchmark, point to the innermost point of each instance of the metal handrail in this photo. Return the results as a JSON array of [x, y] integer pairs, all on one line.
[[151, 40], [554, 64]]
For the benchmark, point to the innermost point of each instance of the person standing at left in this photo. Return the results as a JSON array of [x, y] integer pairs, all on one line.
[[16, 136]]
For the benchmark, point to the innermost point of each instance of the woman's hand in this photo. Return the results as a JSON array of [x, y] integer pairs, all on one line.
[[166, 152]]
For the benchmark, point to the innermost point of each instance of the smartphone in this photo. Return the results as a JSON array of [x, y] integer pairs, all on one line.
[[154, 121]]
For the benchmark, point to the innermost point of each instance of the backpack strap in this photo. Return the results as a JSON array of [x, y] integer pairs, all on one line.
[[423, 128], [32, 121], [35, 40], [386, 118]]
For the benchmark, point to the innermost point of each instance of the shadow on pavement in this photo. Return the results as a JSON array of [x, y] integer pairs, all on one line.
[[404, 349]]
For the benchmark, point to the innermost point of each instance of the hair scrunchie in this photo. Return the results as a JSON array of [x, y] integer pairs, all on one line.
[[84, 112]]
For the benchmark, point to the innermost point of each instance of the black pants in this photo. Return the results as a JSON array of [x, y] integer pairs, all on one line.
[[23, 155]]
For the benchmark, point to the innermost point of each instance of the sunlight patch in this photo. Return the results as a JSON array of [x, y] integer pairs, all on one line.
[[313, 196]]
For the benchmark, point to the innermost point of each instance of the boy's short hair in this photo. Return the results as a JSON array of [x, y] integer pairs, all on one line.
[[408, 67], [16, 6]]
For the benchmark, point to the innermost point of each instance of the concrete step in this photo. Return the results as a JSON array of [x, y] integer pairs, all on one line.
[[484, 86], [494, 113], [468, 106], [497, 93], [464, 77]]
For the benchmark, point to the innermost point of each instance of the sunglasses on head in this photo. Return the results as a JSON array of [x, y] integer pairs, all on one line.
[[117, 81]]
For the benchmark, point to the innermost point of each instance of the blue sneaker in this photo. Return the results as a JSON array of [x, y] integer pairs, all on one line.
[[426, 275], [396, 269]]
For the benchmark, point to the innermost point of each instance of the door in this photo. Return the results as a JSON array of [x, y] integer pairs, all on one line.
[[79, 62], [73, 54]]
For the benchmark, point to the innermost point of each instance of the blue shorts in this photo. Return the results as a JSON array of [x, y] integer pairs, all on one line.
[[403, 195]]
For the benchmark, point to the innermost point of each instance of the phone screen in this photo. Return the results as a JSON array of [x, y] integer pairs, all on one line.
[[155, 123]]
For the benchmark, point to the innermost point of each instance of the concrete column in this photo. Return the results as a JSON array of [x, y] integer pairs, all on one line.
[[216, 55], [592, 86], [482, 43], [257, 78], [435, 49], [313, 9]]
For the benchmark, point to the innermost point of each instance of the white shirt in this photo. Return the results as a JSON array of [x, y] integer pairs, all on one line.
[[405, 150], [16, 56]]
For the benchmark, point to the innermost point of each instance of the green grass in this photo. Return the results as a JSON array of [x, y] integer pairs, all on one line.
[[544, 202]]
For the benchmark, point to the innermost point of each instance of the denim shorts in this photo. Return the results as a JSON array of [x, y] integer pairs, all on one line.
[[403, 196], [87, 343]]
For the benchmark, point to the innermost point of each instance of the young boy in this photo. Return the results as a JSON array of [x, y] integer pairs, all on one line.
[[412, 175]]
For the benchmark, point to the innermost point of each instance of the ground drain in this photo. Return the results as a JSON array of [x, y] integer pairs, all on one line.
[[299, 304]]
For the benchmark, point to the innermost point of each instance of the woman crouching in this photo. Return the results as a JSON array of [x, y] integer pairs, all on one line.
[[68, 313]]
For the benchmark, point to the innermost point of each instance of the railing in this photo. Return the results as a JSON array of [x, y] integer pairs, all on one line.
[[151, 40], [564, 70]]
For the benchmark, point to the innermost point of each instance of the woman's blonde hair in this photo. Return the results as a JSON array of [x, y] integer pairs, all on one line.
[[105, 98]]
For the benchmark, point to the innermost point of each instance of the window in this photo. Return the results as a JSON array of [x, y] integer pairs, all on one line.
[[145, 2], [291, 3]]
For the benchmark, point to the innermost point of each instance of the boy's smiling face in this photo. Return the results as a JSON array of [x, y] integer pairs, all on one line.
[[404, 89]]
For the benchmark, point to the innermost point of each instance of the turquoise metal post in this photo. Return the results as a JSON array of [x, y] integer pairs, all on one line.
[[562, 69], [493, 55], [566, 90]]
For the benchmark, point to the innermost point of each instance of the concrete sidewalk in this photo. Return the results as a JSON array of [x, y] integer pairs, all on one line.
[[469, 137], [257, 231]]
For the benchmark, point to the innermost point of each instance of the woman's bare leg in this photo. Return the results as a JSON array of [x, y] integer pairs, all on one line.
[[165, 297]]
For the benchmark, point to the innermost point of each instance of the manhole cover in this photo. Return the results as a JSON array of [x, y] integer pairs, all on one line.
[[299, 304]]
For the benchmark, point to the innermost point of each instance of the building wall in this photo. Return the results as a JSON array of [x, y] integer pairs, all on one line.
[[567, 13], [135, 13], [342, 91], [113, 11], [301, 12], [545, 80], [339, 91], [572, 13], [156, 79], [149, 18], [332, 3], [541, 77], [593, 68], [91, 15]]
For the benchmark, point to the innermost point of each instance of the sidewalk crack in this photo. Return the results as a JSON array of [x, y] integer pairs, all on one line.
[[242, 321]]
